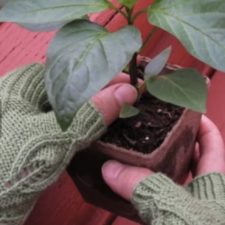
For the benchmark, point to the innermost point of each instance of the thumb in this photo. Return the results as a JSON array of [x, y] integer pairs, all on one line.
[[122, 179], [211, 149], [110, 100]]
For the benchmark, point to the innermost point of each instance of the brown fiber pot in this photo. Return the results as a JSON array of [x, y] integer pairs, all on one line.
[[172, 158]]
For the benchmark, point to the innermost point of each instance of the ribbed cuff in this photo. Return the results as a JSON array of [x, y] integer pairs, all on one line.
[[154, 184], [158, 198], [208, 187], [157, 194], [26, 82]]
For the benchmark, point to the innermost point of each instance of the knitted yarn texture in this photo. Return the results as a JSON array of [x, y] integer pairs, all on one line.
[[161, 202], [33, 149]]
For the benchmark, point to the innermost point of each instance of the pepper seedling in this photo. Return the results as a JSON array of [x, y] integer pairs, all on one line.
[[84, 56]]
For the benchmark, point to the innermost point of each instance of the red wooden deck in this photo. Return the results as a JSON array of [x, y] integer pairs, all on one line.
[[62, 204]]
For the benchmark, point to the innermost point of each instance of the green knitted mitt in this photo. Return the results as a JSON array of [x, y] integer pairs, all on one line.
[[160, 201], [33, 149]]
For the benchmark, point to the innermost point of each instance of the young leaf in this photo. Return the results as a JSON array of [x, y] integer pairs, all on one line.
[[185, 87], [82, 59], [46, 13], [198, 24], [156, 65], [128, 3], [128, 111]]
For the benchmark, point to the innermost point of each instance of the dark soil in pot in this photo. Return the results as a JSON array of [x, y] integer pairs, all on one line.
[[146, 131]]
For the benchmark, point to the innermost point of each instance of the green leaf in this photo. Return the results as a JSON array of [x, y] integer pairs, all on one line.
[[198, 24], [128, 3], [128, 111], [82, 59], [46, 14], [186, 88], [156, 65]]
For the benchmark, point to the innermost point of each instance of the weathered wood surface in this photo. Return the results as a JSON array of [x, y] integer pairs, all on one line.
[[61, 204]]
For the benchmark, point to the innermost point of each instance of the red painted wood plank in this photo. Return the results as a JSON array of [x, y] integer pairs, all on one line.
[[216, 101], [61, 204], [19, 46], [123, 221]]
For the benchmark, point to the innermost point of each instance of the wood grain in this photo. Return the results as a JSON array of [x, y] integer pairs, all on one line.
[[61, 204]]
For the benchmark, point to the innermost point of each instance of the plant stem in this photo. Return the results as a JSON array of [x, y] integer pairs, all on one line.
[[133, 71], [150, 34], [141, 89], [129, 17]]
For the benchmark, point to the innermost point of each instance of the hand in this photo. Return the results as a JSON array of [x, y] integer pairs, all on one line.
[[33, 148], [109, 100], [123, 179]]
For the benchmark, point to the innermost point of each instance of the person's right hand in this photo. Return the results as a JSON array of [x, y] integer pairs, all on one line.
[[210, 158], [210, 154], [160, 201]]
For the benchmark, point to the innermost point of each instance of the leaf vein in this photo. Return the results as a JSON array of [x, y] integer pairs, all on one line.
[[192, 26]]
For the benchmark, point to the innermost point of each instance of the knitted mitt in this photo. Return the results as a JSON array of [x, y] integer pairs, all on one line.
[[33, 149], [160, 201]]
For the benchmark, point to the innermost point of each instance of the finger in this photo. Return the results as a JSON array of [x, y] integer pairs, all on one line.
[[121, 78], [211, 148], [110, 100], [123, 179], [209, 138]]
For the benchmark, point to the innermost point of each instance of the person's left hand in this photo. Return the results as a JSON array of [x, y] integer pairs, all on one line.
[[33, 148]]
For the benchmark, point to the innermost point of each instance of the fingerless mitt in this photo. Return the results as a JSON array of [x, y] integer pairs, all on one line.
[[33, 148], [162, 202]]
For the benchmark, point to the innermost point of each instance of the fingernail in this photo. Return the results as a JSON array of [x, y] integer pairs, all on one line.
[[125, 94], [111, 169]]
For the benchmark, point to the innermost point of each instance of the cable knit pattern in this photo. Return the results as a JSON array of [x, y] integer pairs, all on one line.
[[160, 201], [33, 149]]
